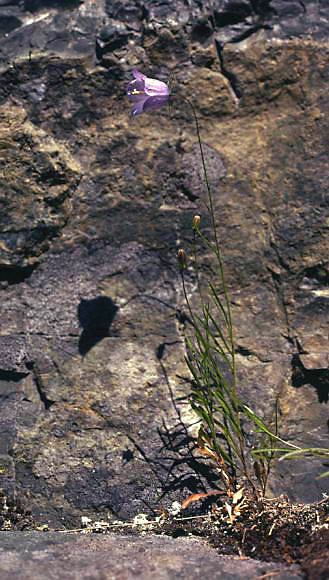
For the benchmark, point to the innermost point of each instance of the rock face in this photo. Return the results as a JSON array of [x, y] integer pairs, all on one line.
[[115, 557], [93, 410]]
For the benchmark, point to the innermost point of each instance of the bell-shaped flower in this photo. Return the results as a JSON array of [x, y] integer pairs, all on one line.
[[145, 93]]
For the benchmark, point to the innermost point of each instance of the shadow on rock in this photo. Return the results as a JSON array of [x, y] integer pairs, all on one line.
[[95, 317], [178, 472], [317, 378]]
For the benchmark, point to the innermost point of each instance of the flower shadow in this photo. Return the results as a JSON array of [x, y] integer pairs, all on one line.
[[95, 317]]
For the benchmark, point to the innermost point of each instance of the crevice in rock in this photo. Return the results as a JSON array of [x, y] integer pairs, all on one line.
[[8, 23], [37, 378], [244, 21], [232, 79], [201, 31], [15, 274], [245, 351], [303, 5], [318, 273], [236, 13], [263, 8], [188, 193], [277, 283], [145, 16], [247, 33], [12, 376], [316, 378], [36, 5], [160, 350], [110, 38]]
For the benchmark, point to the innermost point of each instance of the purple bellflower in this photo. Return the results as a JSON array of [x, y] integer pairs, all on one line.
[[146, 94]]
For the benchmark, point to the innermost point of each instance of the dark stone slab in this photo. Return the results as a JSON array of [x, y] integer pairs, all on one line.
[[35, 555]]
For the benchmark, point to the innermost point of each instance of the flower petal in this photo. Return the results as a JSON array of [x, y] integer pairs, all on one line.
[[146, 94], [138, 75], [154, 87], [155, 102], [135, 89], [137, 98], [138, 107]]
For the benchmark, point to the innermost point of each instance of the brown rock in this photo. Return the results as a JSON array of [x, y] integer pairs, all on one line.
[[93, 208]]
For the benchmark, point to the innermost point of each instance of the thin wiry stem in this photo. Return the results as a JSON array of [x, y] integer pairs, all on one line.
[[223, 280], [217, 245]]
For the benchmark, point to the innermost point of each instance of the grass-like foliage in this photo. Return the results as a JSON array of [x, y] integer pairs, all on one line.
[[211, 359]]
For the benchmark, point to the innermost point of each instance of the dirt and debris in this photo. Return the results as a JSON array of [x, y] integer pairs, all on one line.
[[13, 517], [270, 530]]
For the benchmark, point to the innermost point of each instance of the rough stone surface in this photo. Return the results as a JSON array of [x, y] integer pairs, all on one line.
[[34, 556], [93, 411]]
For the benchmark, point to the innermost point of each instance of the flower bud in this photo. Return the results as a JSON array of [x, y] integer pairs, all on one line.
[[196, 222], [182, 260]]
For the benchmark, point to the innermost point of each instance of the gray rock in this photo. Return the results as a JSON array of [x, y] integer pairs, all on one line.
[[34, 556]]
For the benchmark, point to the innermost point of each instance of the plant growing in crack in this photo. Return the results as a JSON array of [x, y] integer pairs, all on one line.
[[211, 349]]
